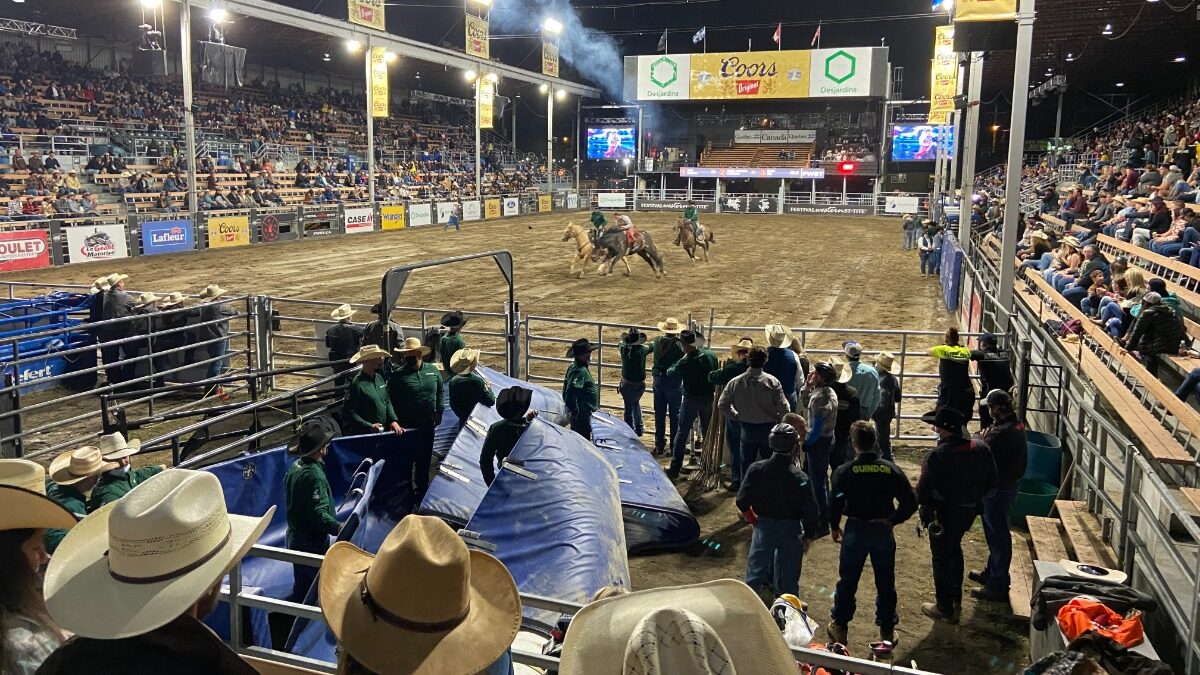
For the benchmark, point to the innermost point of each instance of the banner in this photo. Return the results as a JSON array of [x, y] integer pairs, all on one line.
[[610, 200], [367, 13], [471, 210], [827, 209], [279, 225], [167, 236], [321, 221], [765, 172], [225, 231], [664, 77], [24, 250], [491, 208], [487, 104], [672, 205], [360, 220], [750, 75], [444, 209], [96, 242], [775, 136], [842, 72], [420, 214], [734, 204], [572, 200], [985, 10], [391, 217], [544, 203], [549, 59], [762, 205], [379, 82], [512, 206], [944, 73], [901, 204], [477, 36]]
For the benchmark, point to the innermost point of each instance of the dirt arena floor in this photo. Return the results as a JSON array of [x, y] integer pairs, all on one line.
[[817, 272]]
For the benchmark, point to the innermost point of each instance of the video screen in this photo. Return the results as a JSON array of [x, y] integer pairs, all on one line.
[[611, 143], [918, 143]]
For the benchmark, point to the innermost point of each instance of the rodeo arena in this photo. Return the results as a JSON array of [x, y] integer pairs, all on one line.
[[328, 346]]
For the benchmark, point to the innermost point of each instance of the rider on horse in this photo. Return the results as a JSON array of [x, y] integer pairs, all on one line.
[[691, 216], [599, 223], [624, 224]]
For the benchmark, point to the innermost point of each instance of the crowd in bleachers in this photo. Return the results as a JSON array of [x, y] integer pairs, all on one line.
[[849, 147]]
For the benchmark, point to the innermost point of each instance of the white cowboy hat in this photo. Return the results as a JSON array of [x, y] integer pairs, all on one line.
[[412, 345], [597, 638], [342, 312], [884, 360], [778, 335], [170, 300], [1085, 571], [455, 610], [671, 326], [76, 465], [140, 562], [116, 278], [742, 345], [114, 446], [843, 369], [1039, 234], [100, 284], [23, 501], [673, 640], [464, 360], [146, 298], [213, 291], [369, 352]]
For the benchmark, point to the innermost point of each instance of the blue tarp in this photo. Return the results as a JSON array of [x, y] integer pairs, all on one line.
[[457, 489]]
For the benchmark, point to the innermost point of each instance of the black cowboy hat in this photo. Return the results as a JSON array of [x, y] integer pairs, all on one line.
[[453, 319], [314, 434], [580, 347], [690, 337], [513, 402], [635, 337], [946, 418]]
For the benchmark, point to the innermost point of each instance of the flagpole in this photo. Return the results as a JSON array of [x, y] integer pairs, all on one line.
[[705, 41], [818, 35]]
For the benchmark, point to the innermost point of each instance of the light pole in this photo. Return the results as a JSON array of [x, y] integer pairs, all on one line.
[[995, 129], [551, 29], [484, 7], [369, 66]]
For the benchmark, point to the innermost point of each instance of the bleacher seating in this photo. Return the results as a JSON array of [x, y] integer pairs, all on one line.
[[756, 155]]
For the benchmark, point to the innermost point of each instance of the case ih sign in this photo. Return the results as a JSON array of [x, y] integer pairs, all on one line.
[[24, 250]]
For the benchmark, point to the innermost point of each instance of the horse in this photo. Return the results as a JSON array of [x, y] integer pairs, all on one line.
[[685, 236], [613, 246], [583, 249]]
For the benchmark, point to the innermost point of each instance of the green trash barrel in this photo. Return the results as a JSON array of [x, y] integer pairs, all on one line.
[[1045, 457], [1034, 498]]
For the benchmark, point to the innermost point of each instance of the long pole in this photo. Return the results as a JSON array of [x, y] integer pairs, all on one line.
[[1016, 146], [514, 127], [1058, 122], [578, 137], [189, 121], [478, 154], [969, 144], [370, 123], [549, 137], [953, 152]]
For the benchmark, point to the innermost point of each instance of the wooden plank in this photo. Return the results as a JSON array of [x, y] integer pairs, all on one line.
[[1083, 532], [1048, 543], [1191, 497], [1173, 264], [1020, 573]]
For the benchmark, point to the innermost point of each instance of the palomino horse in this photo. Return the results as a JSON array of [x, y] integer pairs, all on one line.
[[613, 246], [685, 236], [583, 249]]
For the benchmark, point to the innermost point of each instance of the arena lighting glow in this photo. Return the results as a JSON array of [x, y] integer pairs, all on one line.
[[470, 75], [1120, 84], [492, 77], [543, 88], [552, 26], [847, 167], [560, 94], [1107, 29], [218, 15], [326, 58], [482, 3], [390, 57], [353, 45], [148, 4], [1180, 59], [1070, 57]]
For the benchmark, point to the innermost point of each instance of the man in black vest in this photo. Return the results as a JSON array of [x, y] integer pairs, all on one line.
[[343, 340], [994, 372], [1006, 439]]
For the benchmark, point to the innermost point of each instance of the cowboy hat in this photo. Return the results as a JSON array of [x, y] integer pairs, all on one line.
[[145, 299], [100, 284], [213, 291], [342, 312], [946, 418], [1070, 241], [455, 610], [170, 300], [778, 335], [843, 369], [464, 360], [114, 446], [742, 345], [368, 353], [692, 337], [580, 347], [77, 465], [672, 640], [671, 326], [138, 563], [597, 638], [314, 435], [513, 402], [634, 337], [116, 278], [884, 360], [1085, 571], [23, 501], [1039, 234], [412, 345], [453, 319]]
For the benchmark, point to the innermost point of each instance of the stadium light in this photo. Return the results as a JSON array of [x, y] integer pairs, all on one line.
[[326, 58], [543, 88], [552, 26], [1107, 29], [492, 77], [218, 15], [560, 94], [470, 75], [1180, 59], [482, 3], [390, 57], [1070, 57], [1120, 84], [353, 46]]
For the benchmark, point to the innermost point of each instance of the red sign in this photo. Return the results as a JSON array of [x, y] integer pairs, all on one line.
[[748, 87], [24, 250]]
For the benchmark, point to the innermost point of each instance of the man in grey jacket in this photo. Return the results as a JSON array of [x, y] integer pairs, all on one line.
[[756, 402], [117, 305]]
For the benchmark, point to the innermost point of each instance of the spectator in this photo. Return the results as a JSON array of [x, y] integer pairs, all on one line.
[[1157, 330], [415, 387], [848, 409], [368, 408], [502, 436], [954, 388], [889, 403], [755, 401], [782, 362], [466, 388], [633, 377], [668, 391], [821, 402], [122, 478], [693, 370], [308, 501], [213, 330], [736, 365], [995, 372], [580, 393], [1006, 440], [864, 379]]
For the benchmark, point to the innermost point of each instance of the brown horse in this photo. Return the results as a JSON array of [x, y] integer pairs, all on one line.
[[613, 246], [583, 250], [686, 237]]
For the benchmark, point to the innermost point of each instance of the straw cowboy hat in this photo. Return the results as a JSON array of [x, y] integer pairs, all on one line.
[[600, 634], [79, 464], [116, 278], [342, 312], [1071, 242], [138, 563], [884, 361], [671, 326], [99, 285], [114, 446], [369, 353], [145, 299], [844, 372], [1039, 234], [464, 360], [412, 345], [455, 610], [742, 345], [213, 291], [23, 501], [673, 640], [170, 300], [778, 335]]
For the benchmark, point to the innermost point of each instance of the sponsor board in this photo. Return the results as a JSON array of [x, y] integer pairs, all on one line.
[[664, 77], [610, 200], [829, 209], [943, 74], [392, 216], [985, 10], [167, 236], [32, 375], [420, 214], [487, 104], [841, 72], [660, 205], [902, 204], [444, 209], [321, 221], [477, 36], [367, 13], [572, 200], [379, 82], [274, 227], [750, 75], [226, 231], [775, 136], [360, 220], [745, 172], [549, 59], [491, 208], [544, 203], [560, 201], [512, 206], [734, 204], [24, 250], [96, 242], [471, 210], [762, 205]]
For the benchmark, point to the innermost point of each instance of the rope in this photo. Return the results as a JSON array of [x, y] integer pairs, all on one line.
[[712, 452]]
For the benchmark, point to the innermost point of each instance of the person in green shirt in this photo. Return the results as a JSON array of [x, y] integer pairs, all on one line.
[[668, 390], [415, 388], [308, 501], [580, 393], [72, 474], [691, 216], [599, 222], [117, 482], [513, 407], [467, 387], [368, 409], [633, 377], [452, 341], [693, 369], [736, 365]]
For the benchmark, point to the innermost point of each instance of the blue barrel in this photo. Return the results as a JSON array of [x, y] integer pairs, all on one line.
[[1034, 498], [1045, 457]]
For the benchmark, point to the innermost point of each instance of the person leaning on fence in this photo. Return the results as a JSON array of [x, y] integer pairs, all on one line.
[[954, 387], [693, 369], [633, 378], [415, 388], [213, 328], [374, 333], [513, 407], [782, 363], [467, 387], [755, 401], [368, 408], [734, 366], [1005, 437], [580, 393], [889, 403], [117, 482], [864, 379], [117, 305], [668, 391], [139, 327], [848, 411], [72, 475], [308, 501], [995, 372], [342, 339], [820, 399], [452, 341], [167, 327]]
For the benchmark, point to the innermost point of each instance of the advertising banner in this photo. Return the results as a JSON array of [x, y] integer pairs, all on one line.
[[491, 208], [167, 236], [560, 201], [664, 77], [444, 209], [392, 216], [487, 104], [420, 214], [477, 36], [281, 225], [359, 220], [24, 250], [96, 242], [379, 82], [226, 231], [367, 13], [901, 204], [734, 204], [750, 75], [775, 136], [827, 209], [944, 74], [544, 203], [572, 200], [321, 221], [672, 205], [512, 206], [841, 72], [471, 210], [985, 10], [610, 200], [549, 59], [764, 172], [762, 205]]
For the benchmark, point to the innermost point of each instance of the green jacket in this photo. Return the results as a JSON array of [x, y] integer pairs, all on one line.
[[633, 362], [416, 395], [465, 391], [501, 437], [113, 486], [730, 370], [694, 368], [309, 502], [70, 499], [691, 213], [367, 403], [598, 219], [666, 352], [446, 348], [580, 393]]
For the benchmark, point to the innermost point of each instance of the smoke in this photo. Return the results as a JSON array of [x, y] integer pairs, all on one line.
[[594, 54]]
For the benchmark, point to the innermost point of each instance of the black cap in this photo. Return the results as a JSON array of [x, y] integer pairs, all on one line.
[[946, 418], [315, 434], [513, 402], [635, 337], [826, 371], [784, 438], [690, 337], [1157, 285], [988, 339], [999, 397]]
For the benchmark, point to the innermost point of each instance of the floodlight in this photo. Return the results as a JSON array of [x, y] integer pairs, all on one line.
[[482, 3], [353, 45], [1120, 84], [390, 57], [470, 75], [560, 94], [543, 88], [1180, 59], [1070, 57], [148, 4], [1107, 29], [492, 77], [326, 58], [218, 15], [552, 26]]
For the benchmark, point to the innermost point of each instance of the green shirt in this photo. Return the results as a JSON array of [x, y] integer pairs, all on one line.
[[598, 219], [501, 437], [466, 390], [367, 403], [694, 368], [446, 348], [416, 395], [667, 350], [580, 393], [633, 362], [309, 502], [690, 213], [70, 499], [730, 370], [113, 486]]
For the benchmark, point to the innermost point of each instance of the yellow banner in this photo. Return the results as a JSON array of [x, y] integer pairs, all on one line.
[[228, 231], [985, 10], [944, 74], [544, 203], [379, 82], [477, 36], [487, 104], [779, 74], [491, 208], [392, 216], [549, 59], [367, 13], [938, 118]]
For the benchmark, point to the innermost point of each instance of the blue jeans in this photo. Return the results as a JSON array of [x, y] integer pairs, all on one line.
[[1113, 316], [1090, 306], [996, 506], [860, 540], [631, 394], [755, 443], [816, 463], [935, 259], [668, 392], [883, 435], [451, 222], [910, 240], [926, 261], [1074, 294], [776, 555], [693, 408], [1039, 263], [217, 366], [1191, 385], [733, 439]]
